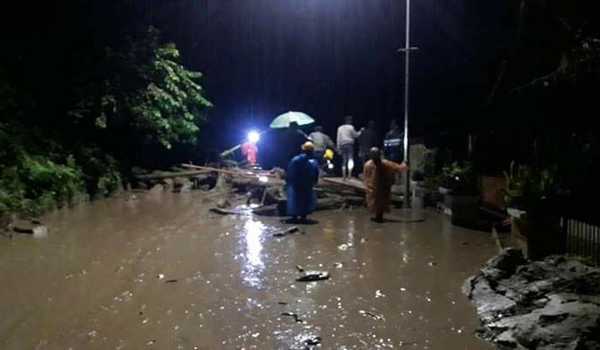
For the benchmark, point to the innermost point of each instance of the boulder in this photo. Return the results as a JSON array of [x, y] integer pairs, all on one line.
[[548, 304], [182, 184]]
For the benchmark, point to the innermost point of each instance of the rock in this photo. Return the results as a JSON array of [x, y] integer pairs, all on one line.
[[548, 304], [223, 183], [5, 221], [508, 260], [157, 188], [140, 185], [30, 228], [278, 172], [204, 181], [168, 183], [223, 203], [182, 184], [273, 195]]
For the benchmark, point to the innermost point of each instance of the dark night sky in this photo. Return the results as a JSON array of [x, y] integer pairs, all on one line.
[[336, 57], [327, 58]]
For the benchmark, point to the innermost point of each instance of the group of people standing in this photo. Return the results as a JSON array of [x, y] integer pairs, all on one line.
[[366, 138], [379, 171]]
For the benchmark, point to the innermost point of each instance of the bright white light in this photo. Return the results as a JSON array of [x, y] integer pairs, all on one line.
[[329, 165], [253, 265], [350, 165], [263, 179], [254, 136]]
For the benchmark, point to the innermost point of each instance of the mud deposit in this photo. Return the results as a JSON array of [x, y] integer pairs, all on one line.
[[158, 271], [549, 304]]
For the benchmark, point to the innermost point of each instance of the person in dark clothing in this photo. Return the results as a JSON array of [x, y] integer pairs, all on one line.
[[366, 141], [393, 143], [290, 140], [301, 177]]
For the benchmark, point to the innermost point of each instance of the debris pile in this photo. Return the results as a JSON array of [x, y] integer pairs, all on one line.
[[548, 304], [241, 191]]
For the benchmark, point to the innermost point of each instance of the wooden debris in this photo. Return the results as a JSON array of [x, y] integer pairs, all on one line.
[[170, 175], [284, 233]]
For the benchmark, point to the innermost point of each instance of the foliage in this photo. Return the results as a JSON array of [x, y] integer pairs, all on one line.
[[38, 174], [171, 106], [146, 94], [432, 177], [526, 186], [460, 179], [577, 63], [36, 183], [102, 175], [117, 91]]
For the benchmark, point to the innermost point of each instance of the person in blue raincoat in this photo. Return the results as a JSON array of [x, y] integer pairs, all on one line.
[[302, 175]]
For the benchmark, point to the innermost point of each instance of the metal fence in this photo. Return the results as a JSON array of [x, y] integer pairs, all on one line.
[[582, 238]]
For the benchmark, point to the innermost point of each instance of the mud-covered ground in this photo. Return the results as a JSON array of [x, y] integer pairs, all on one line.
[[158, 271]]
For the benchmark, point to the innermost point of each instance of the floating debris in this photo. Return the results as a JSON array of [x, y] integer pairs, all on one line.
[[374, 316], [312, 341], [297, 318], [289, 231], [171, 281], [160, 276], [343, 247], [312, 276], [379, 294]]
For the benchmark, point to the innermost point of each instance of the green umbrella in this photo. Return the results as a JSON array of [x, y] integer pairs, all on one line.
[[284, 120]]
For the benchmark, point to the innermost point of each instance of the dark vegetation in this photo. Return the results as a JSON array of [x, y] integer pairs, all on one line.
[[85, 88], [539, 113]]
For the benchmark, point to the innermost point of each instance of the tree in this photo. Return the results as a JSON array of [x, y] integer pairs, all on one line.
[[146, 94]]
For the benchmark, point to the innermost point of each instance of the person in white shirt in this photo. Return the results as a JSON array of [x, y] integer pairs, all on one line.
[[346, 136]]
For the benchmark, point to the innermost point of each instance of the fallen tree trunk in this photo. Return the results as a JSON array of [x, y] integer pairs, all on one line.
[[170, 175], [243, 178]]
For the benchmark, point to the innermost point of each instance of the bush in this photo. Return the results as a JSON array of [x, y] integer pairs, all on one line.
[[36, 184], [460, 179], [102, 175]]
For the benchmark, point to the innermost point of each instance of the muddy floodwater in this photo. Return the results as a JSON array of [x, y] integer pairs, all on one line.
[[159, 272]]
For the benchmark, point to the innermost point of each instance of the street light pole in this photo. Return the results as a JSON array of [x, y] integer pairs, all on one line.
[[408, 214], [407, 50], [406, 96]]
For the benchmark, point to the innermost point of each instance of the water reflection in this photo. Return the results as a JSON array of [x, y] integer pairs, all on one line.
[[253, 265]]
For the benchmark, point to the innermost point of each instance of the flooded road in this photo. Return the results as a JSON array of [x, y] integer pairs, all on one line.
[[160, 272]]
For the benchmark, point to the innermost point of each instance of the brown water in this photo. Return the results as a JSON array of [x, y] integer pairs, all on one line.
[[160, 272]]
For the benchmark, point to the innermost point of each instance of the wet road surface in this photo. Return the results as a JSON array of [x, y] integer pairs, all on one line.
[[160, 272]]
